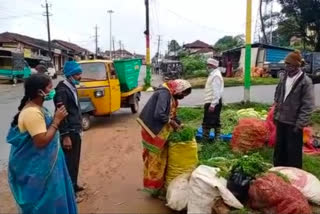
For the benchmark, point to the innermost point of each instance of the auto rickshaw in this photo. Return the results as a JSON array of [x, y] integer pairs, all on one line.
[[13, 66], [107, 86], [171, 69]]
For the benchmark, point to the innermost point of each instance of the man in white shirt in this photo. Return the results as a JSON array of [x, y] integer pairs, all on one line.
[[213, 100], [294, 103]]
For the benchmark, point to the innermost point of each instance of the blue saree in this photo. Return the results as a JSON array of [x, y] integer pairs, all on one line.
[[38, 178]]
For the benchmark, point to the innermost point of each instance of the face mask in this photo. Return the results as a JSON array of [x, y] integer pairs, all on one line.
[[179, 96], [75, 82], [49, 96]]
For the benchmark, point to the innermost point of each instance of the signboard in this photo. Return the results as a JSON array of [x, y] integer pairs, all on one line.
[[27, 53]]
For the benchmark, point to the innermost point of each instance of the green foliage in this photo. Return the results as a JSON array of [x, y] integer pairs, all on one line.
[[229, 42], [300, 18], [229, 119], [315, 118], [193, 63], [184, 135], [251, 165], [174, 46]]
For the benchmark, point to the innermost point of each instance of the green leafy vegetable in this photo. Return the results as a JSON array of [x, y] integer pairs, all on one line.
[[183, 135]]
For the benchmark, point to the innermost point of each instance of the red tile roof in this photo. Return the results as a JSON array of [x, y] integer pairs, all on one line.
[[197, 44]]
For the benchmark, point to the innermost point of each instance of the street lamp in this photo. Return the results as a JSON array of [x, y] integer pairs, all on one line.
[[110, 13]]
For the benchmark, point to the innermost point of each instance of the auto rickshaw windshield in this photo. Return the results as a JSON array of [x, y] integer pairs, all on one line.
[[94, 71]]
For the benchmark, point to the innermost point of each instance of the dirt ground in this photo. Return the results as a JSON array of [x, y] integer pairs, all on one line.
[[111, 168]]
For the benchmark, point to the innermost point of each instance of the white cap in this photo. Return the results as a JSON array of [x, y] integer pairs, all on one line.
[[213, 62]]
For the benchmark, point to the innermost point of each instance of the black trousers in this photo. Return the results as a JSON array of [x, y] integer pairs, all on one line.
[[211, 120], [288, 150], [73, 158]]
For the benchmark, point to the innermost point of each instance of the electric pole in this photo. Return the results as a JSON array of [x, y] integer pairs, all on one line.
[[114, 47], [96, 40], [47, 14], [147, 80], [120, 47], [158, 52], [110, 14]]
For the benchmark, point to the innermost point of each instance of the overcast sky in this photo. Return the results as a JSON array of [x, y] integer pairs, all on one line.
[[74, 20]]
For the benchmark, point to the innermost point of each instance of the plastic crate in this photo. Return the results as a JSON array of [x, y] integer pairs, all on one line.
[[128, 73]]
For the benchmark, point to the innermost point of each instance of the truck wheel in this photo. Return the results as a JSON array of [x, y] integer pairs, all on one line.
[[135, 107], [86, 123], [14, 80]]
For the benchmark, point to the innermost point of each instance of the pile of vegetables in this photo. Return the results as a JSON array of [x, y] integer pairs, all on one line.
[[249, 165], [229, 119], [252, 165], [183, 135], [251, 113]]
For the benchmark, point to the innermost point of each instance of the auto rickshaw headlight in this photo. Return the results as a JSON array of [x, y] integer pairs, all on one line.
[[99, 93]]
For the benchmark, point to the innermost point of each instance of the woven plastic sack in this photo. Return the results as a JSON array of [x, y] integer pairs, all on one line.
[[307, 183], [178, 192], [205, 187], [271, 194], [182, 158], [249, 134]]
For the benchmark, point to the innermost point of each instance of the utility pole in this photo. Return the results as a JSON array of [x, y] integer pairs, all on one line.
[[147, 80], [96, 40], [247, 76], [159, 40], [110, 14], [47, 14], [120, 46], [114, 48]]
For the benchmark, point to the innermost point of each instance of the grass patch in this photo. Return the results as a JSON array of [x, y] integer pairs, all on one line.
[[193, 117], [315, 118], [200, 82]]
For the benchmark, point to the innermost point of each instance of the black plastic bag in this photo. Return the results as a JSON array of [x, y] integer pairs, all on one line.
[[239, 183]]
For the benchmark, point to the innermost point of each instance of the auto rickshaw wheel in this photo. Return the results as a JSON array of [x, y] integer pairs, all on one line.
[[86, 123], [135, 107]]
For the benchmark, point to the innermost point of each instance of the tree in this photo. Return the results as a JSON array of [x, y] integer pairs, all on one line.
[[229, 42], [302, 18], [174, 46]]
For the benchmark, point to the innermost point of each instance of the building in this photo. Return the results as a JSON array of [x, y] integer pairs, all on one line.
[[119, 54], [200, 47], [73, 51], [35, 50], [261, 56]]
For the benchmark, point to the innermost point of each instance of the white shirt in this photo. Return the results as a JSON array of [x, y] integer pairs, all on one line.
[[290, 82], [214, 88]]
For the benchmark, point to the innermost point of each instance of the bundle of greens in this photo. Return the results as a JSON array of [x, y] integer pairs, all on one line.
[[184, 135], [229, 119], [224, 164], [252, 165]]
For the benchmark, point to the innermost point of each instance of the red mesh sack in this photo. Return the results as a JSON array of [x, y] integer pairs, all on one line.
[[272, 195], [249, 134], [272, 128]]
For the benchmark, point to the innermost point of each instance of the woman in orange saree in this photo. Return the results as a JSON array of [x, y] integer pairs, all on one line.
[[158, 119]]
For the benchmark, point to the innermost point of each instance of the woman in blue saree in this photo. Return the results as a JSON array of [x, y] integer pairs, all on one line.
[[37, 173]]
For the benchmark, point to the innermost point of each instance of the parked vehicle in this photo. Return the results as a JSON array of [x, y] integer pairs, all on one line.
[[312, 66], [107, 86], [50, 70], [13, 66], [275, 68], [171, 69]]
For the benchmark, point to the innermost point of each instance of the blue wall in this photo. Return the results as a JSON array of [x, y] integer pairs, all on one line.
[[276, 55]]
